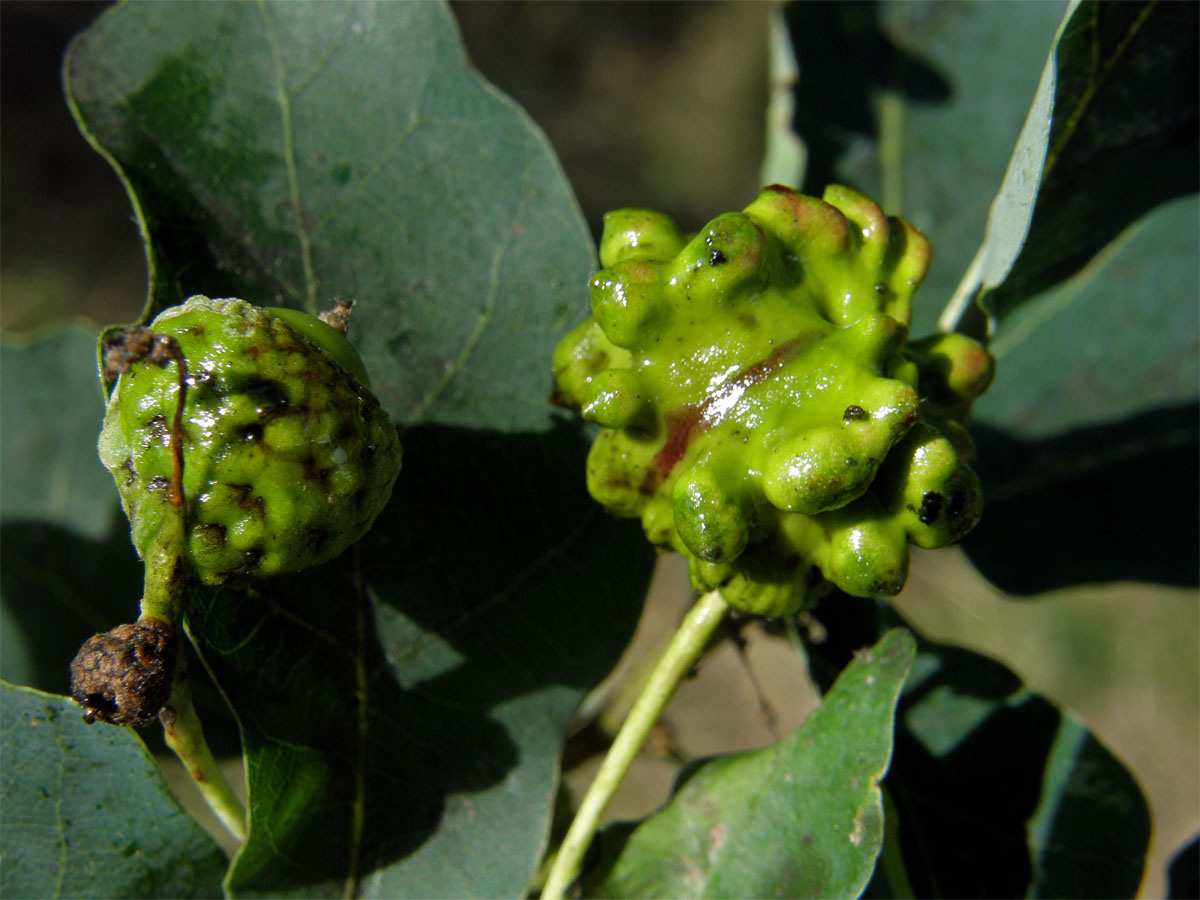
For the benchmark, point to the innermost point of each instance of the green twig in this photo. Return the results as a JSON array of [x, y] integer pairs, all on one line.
[[678, 659], [184, 735]]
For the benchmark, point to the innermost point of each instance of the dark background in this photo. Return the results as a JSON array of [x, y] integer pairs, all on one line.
[[648, 104]]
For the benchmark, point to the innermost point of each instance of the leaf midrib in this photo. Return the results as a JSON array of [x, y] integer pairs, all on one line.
[[1095, 81], [283, 100]]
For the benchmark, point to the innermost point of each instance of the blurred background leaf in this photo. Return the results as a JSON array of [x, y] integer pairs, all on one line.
[[1089, 435], [1116, 340], [53, 408], [92, 818], [918, 104], [69, 567]]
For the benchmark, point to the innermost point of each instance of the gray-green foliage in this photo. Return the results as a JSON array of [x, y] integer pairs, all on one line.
[[802, 818], [402, 708], [87, 812]]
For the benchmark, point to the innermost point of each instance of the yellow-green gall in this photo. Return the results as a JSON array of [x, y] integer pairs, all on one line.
[[287, 457], [763, 412]]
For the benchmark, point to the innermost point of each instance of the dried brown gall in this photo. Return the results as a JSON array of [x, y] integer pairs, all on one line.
[[124, 676]]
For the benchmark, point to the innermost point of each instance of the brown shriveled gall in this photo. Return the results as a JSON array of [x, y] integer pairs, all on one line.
[[122, 349], [124, 676]]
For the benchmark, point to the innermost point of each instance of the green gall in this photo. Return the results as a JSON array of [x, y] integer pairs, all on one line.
[[638, 234], [709, 514], [287, 457], [762, 410], [327, 338], [612, 399]]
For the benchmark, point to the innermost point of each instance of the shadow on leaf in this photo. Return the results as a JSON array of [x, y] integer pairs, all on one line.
[[1182, 877], [996, 791], [414, 692], [1114, 502], [846, 60], [58, 590]]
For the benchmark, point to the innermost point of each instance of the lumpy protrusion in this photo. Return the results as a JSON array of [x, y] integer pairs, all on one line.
[[761, 410]]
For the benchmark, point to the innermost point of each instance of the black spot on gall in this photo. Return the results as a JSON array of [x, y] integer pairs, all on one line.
[[957, 505], [931, 507]]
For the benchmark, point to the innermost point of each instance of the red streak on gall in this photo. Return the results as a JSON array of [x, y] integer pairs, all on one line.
[[687, 422]]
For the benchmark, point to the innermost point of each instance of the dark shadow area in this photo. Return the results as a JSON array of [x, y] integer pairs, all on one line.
[[848, 624], [962, 816], [846, 60], [1138, 140], [59, 589], [490, 577], [606, 848], [974, 754], [1183, 874], [1096, 504], [1100, 802], [288, 657], [61, 210]]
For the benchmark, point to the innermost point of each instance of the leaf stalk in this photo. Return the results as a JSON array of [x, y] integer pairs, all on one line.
[[676, 662], [185, 736]]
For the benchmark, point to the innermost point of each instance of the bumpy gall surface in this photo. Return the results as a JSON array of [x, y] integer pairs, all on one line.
[[287, 456], [762, 410]]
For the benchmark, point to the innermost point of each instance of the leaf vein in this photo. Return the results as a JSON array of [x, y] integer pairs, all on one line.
[[59, 824], [335, 43], [352, 197], [499, 596], [1095, 81], [485, 316], [289, 160]]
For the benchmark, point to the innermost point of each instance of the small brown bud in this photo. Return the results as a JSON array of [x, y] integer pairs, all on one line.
[[124, 676], [338, 318]]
